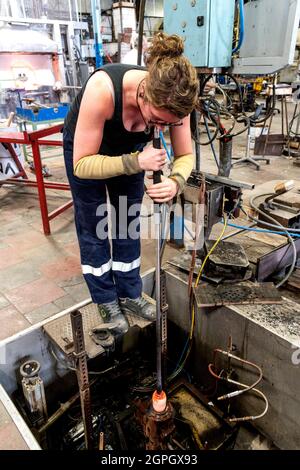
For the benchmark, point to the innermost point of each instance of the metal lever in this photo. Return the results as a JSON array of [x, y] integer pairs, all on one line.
[[161, 318], [156, 145]]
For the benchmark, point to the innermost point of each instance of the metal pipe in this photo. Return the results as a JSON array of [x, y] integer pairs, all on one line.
[[61, 410], [255, 390], [243, 361], [96, 17], [194, 123], [76, 11], [158, 224], [82, 376], [70, 10], [41, 187], [23, 8], [101, 440], [225, 156], [141, 30]]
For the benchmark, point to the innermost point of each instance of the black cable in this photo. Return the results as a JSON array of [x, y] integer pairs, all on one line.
[[204, 109], [269, 113], [212, 110], [239, 120], [238, 87], [211, 143]]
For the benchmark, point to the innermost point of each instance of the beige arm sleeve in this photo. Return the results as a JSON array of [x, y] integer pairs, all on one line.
[[104, 166], [182, 168]]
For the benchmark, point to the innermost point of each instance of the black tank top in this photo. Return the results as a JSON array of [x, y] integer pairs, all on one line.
[[116, 139]]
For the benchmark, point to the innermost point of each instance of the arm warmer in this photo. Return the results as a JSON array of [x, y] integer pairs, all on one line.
[[103, 166], [182, 168]]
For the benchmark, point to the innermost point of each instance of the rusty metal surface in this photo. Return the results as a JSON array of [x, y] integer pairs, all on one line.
[[196, 176], [275, 260], [283, 320], [227, 253], [60, 330], [285, 216], [164, 330], [291, 199], [82, 376], [183, 261], [274, 146], [157, 427], [207, 295]]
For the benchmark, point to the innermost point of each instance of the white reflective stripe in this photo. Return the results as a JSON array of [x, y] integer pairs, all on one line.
[[87, 269], [125, 267]]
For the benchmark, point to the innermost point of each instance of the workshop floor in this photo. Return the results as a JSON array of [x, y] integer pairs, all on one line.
[[41, 276]]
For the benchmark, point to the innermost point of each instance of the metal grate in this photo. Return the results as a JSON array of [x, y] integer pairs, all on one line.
[[240, 293], [60, 330], [227, 254]]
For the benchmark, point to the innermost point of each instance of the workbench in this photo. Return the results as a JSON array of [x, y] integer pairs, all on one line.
[[46, 115]]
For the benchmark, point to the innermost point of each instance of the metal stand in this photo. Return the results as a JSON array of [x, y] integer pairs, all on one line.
[[291, 152], [284, 125], [248, 159], [82, 377]]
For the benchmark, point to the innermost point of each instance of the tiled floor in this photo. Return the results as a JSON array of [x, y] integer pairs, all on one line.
[[10, 437]]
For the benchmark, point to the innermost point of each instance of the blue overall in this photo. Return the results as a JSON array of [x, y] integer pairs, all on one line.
[[110, 271]]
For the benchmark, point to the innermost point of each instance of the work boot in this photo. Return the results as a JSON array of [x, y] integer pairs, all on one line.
[[140, 307], [111, 313]]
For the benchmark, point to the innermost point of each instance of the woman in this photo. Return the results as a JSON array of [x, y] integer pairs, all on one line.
[[105, 132]]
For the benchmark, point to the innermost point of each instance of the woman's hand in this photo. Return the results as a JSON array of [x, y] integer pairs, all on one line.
[[151, 159], [164, 191]]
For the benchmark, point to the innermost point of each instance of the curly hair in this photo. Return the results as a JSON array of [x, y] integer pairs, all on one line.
[[172, 81]]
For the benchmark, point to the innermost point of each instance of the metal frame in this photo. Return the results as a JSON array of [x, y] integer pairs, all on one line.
[[275, 260], [35, 140], [205, 26], [248, 159]]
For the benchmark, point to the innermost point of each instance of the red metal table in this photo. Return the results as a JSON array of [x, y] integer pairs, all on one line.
[[36, 139]]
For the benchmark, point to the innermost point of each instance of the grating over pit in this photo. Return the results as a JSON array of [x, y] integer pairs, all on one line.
[[60, 330]]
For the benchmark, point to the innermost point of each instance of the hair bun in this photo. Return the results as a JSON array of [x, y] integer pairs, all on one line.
[[164, 45]]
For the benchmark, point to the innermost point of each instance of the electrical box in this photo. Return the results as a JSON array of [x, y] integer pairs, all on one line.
[[206, 27], [271, 28]]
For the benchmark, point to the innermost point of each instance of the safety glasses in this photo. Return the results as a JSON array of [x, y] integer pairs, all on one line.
[[165, 123]]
